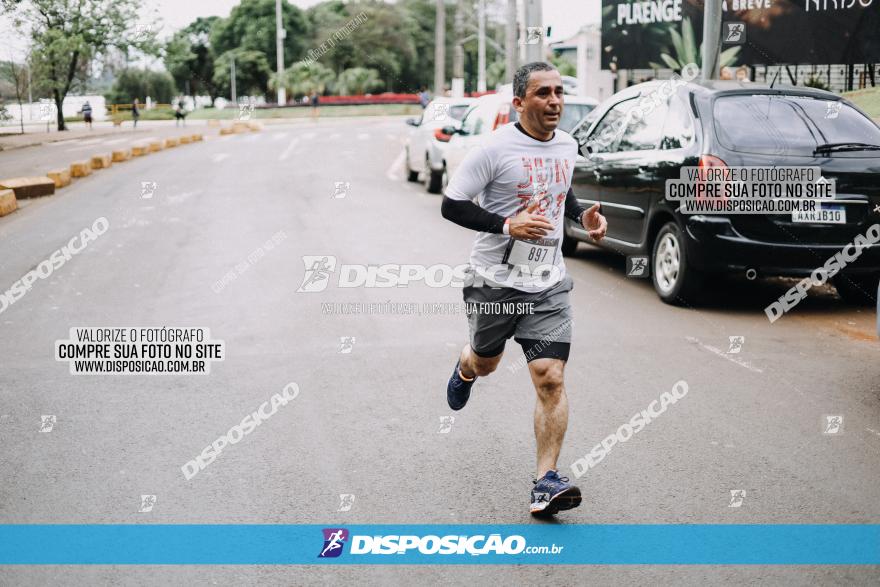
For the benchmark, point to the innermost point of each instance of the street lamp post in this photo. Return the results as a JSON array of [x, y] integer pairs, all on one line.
[[280, 35], [711, 38], [232, 80]]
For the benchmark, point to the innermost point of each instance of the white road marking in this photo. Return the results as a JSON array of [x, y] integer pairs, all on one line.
[[392, 169], [872, 431], [219, 157], [277, 136], [115, 141], [335, 135], [363, 136], [723, 355], [309, 135], [288, 150], [64, 143]]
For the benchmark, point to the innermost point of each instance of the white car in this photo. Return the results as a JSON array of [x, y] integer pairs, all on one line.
[[491, 111], [424, 158]]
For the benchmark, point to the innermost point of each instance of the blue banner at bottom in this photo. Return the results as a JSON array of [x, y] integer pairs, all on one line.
[[624, 544]]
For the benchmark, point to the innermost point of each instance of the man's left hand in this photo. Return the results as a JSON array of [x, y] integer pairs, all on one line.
[[594, 223]]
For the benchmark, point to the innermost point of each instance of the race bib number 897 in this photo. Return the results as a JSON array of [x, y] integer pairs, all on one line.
[[531, 253]]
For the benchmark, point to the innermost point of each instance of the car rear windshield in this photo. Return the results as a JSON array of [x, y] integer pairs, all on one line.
[[573, 114], [790, 125], [457, 111]]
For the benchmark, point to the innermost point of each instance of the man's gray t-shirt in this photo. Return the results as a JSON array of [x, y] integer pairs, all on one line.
[[503, 174]]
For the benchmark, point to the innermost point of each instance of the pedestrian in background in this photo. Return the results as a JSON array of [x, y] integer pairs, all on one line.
[[424, 98], [135, 112], [87, 114], [315, 101], [179, 113]]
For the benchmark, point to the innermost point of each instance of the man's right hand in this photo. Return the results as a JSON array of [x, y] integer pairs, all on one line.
[[528, 225]]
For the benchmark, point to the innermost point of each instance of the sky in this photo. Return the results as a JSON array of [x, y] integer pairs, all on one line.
[[564, 16]]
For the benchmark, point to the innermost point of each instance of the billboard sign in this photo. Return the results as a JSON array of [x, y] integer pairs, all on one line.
[[668, 33]]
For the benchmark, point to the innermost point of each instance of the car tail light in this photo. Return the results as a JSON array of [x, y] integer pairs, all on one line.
[[441, 136], [706, 162], [502, 118]]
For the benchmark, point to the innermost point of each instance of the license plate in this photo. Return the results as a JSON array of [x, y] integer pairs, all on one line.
[[823, 214]]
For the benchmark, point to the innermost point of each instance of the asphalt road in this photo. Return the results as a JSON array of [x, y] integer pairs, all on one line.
[[367, 422]]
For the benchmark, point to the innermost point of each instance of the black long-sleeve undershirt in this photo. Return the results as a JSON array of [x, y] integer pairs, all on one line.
[[467, 214]]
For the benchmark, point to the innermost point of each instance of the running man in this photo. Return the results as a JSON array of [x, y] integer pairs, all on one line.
[[521, 176]]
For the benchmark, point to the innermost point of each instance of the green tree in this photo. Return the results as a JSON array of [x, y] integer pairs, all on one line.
[[384, 41], [304, 78], [496, 74], [564, 66], [251, 71], [358, 80], [251, 27], [189, 57], [16, 75], [68, 34], [139, 83]]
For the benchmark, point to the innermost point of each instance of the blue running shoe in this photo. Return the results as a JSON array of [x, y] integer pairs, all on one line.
[[553, 493], [458, 391]]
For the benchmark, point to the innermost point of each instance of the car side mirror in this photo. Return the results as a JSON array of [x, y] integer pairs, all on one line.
[[451, 130], [587, 149], [412, 122]]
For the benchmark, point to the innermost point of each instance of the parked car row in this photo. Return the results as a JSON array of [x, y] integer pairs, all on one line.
[[450, 127], [720, 124], [714, 124]]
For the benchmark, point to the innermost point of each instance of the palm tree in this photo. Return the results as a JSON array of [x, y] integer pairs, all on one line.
[[304, 78], [358, 80]]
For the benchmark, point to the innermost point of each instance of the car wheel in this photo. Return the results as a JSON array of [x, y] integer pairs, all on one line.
[[569, 244], [858, 290], [675, 281], [410, 174], [437, 180]]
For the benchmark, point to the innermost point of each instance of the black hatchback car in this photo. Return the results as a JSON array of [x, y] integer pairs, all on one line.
[[728, 124]]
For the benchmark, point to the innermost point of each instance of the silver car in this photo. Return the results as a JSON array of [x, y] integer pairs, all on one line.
[[424, 156]]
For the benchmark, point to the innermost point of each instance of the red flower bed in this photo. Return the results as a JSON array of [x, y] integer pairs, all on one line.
[[386, 98]]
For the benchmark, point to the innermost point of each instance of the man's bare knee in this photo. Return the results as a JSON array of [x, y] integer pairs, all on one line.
[[481, 366], [485, 365], [548, 375]]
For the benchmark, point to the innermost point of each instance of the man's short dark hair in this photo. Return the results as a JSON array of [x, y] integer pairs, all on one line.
[[521, 77]]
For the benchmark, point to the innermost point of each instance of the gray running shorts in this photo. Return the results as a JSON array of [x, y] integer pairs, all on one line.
[[541, 321]]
